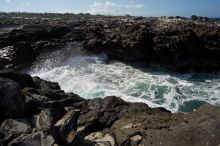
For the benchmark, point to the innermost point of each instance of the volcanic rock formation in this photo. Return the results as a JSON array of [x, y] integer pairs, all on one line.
[[36, 112], [177, 43]]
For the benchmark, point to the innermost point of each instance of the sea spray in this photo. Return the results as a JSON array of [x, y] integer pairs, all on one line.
[[92, 77]]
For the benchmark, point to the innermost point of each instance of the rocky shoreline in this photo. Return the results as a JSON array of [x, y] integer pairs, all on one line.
[[178, 43], [37, 112]]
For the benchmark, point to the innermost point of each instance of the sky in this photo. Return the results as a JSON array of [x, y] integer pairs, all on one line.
[[186, 8]]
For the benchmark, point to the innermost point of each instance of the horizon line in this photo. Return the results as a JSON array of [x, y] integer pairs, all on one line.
[[102, 14]]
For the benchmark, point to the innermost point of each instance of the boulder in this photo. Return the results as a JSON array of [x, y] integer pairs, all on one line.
[[24, 80], [35, 102], [197, 128], [99, 113], [127, 134], [88, 123], [53, 96], [11, 102], [99, 139], [67, 99], [65, 128], [45, 85], [44, 121], [40, 105], [12, 128], [35, 139]]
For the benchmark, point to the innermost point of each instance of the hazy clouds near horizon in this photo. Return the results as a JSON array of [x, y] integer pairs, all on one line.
[[186, 8]]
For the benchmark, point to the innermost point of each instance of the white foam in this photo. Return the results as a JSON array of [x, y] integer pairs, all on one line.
[[90, 77]]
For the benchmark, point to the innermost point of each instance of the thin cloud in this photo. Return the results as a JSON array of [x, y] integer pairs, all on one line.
[[135, 6], [109, 7], [25, 4]]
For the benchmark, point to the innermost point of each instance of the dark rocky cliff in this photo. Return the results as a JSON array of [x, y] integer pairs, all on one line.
[[177, 43]]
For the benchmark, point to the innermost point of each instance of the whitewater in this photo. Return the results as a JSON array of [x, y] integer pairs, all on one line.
[[93, 76]]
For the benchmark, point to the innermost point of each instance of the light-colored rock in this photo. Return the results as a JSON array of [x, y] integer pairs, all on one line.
[[101, 140], [129, 126], [6, 52], [94, 136], [13, 128], [136, 138], [44, 120], [65, 128], [107, 138], [79, 129]]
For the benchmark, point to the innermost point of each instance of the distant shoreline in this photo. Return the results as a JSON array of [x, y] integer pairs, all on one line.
[[125, 15]]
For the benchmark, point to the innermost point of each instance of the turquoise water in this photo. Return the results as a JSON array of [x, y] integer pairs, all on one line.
[[92, 76]]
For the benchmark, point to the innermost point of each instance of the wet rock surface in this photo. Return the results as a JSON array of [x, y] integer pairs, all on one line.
[[177, 43], [99, 122]]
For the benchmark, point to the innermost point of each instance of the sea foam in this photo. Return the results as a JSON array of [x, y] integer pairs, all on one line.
[[93, 76]]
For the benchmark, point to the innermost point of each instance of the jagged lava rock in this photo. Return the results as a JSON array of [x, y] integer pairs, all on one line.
[[109, 121], [177, 43]]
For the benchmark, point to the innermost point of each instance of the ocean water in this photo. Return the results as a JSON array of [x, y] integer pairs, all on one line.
[[93, 76]]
